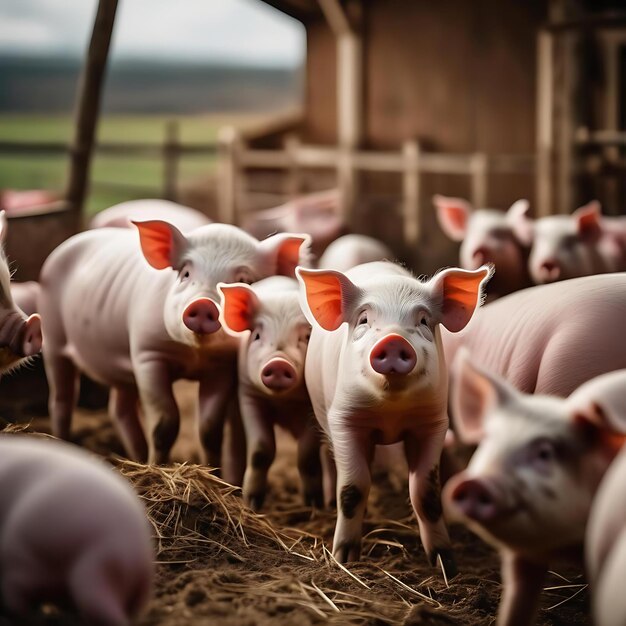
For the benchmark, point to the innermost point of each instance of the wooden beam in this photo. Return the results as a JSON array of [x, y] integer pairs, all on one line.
[[545, 131], [335, 16], [88, 107]]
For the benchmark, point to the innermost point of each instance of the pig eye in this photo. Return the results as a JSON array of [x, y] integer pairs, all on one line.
[[423, 322], [362, 319], [543, 454], [243, 276], [184, 274], [257, 336]]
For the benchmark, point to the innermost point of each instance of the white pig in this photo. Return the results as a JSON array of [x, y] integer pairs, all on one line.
[[376, 374], [352, 250], [71, 530], [20, 335], [529, 486], [137, 310], [488, 236], [605, 545], [274, 337]]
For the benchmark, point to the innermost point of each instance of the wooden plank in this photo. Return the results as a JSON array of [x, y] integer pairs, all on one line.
[[545, 131], [171, 154], [88, 106], [479, 166], [229, 174], [411, 194]]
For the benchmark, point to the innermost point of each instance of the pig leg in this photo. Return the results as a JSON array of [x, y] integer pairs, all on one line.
[[63, 381], [353, 456], [261, 448], [309, 465], [329, 476], [423, 454], [124, 411], [522, 582], [160, 409], [214, 396], [235, 462]]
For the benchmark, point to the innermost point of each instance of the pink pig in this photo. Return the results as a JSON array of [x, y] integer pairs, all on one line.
[[529, 486], [122, 215], [352, 250], [605, 549], [488, 236], [569, 246], [70, 530], [552, 338], [20, 335], [137, 311], [376, 374], [274, 340]]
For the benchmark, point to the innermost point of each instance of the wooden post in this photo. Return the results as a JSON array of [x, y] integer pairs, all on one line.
[[479, 167], [564, 173], [545, 133], [171, 153], [613, 43], [292, 145], [411, 194], [227, 172], [88, 107]]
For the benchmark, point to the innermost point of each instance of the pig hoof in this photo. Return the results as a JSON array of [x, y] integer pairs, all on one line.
[[447, 559], [256, 501], [348, 551], [314, 499]]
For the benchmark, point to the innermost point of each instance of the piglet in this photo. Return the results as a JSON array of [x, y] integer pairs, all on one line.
[[122, 215], [352, 250], [71, 530], [529, 486], [488, 236], [274, 340], [376, 374], [20, 335], [138, 309], [605, 547]]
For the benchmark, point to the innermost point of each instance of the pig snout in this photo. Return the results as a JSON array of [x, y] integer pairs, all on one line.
[[32, 340], [474, 499], [549, 271], [202, 316], [393, 354], [279, 375]]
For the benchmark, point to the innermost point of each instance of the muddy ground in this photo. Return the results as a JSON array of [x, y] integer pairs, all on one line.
[[219, 564]]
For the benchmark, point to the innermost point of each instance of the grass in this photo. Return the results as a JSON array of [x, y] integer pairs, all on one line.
[[145, 174]]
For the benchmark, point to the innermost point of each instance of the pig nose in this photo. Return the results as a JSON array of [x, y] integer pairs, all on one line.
[[393, 355], [202, 316], [32, 340], [550, 269], [279, 375], [475, 500]]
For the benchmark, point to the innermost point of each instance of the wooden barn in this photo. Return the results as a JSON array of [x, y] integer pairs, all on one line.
[[488, 100]]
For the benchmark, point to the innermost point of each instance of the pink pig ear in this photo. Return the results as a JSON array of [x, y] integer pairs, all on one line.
[[461, 293], [329, 297], [239, 306], [286, 251], [473, 395], [453, 215], [589, 220], [518, 217], [161, 243]]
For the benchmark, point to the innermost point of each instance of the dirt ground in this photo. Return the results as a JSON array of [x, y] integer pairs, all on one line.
[[220, 564]]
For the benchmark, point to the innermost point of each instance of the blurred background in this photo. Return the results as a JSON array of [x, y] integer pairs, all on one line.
[[236, 106]]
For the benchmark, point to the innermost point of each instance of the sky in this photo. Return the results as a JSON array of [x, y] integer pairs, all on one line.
[[236, 31]]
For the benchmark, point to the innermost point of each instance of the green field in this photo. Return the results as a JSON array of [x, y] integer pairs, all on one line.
[[146, 174]]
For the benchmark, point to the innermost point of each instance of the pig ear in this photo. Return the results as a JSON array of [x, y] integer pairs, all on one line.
[[461, 292], [161, 243], [239, 307], [474, 393], [286, 251], [327, 297], [3, 226], [588, 220], [453, 215], [518, 217]]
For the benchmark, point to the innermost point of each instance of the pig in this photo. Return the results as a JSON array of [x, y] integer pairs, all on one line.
[[552, 338], [274, 335], [351, 250], [122, 215], [20, 335], [137, 310], [605, 546], [71, 531], [25, 296], [529, 486], [488, 236], [376, 373], [570, 246]]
